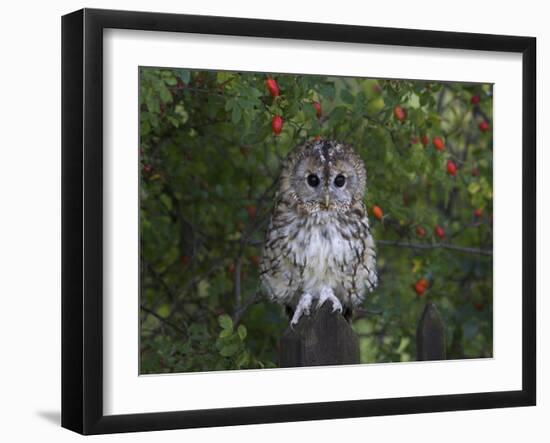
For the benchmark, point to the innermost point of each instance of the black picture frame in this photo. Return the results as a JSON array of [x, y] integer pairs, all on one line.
[[82, 219]]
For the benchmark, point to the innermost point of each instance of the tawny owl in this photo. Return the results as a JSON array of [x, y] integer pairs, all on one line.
[[319, 246]]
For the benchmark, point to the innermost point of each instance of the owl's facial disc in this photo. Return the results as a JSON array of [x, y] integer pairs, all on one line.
[[327, 177], [322, 187]]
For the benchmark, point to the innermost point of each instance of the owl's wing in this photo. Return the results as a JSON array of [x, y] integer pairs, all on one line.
[[361, 276], [278, 275]]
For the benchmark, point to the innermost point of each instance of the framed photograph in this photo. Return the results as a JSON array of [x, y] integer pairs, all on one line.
[[269, 221]]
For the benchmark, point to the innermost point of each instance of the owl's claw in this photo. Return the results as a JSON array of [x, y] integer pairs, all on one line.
[[303, 307], [327, 294]]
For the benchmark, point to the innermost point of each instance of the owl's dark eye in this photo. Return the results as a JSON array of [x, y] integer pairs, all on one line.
[[340, 181], [313, 180]]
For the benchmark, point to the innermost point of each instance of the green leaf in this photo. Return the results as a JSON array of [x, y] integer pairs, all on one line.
[[225, 322], [243, 359], [327, 91], [225, 333], [309, 111], [236, 114], [170, 81], [152, 104], [347, 97], [338, 115], [166, 201], [424, 98], [241, 330], [145, 128], [165, 94], [203, 288], [403, 345], [229, 350], [473, 187], [175, 122], [163, 311]]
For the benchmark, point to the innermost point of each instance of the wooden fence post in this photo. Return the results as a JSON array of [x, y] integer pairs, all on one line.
[[430, 335], [326, 338], [322, 338]]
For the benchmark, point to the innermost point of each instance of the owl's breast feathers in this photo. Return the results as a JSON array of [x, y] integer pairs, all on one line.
[[306, 252]]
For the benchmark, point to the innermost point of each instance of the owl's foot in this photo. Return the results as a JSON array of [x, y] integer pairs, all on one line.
[[303, 307], [328, 294]]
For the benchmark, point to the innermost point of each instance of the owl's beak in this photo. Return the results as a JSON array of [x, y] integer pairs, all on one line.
[[327, 200]]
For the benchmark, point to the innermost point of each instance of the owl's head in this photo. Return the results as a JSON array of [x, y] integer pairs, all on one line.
[[324, 175]]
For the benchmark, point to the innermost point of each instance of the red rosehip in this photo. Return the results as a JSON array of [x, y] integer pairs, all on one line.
[[414, 140], [478, 212], [318, 110], [277, 124], [377, 212], [419, 288], [184, 260], [420, 232], [147, 168], [376, 88], [483, 126], [272, 87], [425, 140], [439, 232], [400, 113], [451, 168], [251, 211], [438, 143], [475, 100], [424, 282]]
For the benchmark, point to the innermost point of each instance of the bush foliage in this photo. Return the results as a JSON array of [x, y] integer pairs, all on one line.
[[210, 154]]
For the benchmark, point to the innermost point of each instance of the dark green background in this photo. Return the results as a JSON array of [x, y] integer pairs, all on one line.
[[209, 160]]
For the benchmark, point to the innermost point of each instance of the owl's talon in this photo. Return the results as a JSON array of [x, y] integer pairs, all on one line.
[[303, 307], [328, 294]]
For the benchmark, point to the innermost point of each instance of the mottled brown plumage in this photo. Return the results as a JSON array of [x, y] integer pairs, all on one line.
[[318, 245]]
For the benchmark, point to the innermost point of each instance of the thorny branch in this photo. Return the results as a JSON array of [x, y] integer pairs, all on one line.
[[464, 249], [163, 320]]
